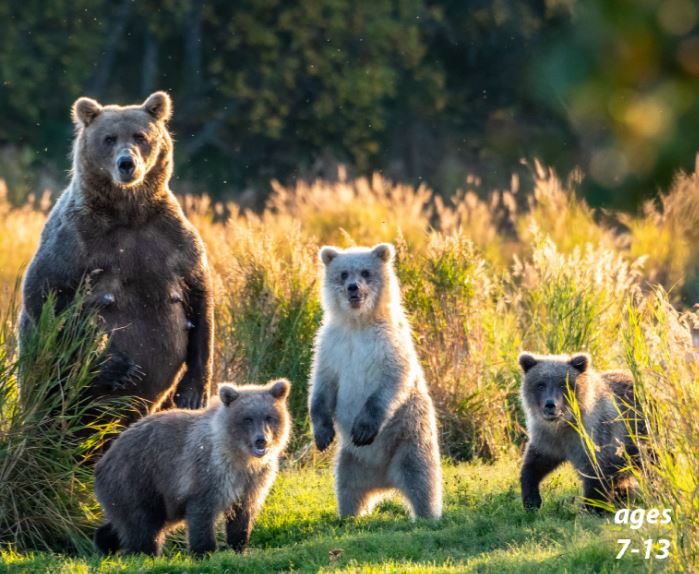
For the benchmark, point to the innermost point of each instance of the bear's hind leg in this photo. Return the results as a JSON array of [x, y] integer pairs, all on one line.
[[143, 536], [416, 472], [107, 539], [354, 485], [142, 529]]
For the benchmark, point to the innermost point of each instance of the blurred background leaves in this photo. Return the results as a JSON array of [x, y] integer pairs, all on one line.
[[420, 90]]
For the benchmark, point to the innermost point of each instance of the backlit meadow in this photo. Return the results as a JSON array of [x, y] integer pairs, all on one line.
[[482, 278]]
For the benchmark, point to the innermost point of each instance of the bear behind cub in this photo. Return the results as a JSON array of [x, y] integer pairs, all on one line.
[[193, 466], [367, 383], [607, 405], [118, 231]]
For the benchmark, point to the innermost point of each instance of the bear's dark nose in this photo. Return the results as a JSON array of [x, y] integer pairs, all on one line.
[[550, 406], [260, 442], [125, 165], [352, 288]]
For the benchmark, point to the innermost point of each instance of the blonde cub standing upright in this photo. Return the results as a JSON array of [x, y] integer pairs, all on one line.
[[367, 383]]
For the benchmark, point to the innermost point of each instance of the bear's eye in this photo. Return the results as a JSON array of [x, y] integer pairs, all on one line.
[[541, 386], [270, 420], [110, 140], [366, 274], [139, 138], [344, 275], [247, 421]]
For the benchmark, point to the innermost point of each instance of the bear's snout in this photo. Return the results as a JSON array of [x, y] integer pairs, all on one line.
[[259, 448], [126, 167], [550, 409]]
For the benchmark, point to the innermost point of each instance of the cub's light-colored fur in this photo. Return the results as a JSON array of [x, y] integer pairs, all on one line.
[[367, 383]]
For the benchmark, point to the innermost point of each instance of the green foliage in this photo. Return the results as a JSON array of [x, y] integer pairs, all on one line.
[[50, 431], [660, 353], [573, 302], [427, 91], [269, 315], [625, 75]]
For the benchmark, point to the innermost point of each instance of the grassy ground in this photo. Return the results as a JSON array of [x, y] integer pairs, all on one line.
[[484, 529]]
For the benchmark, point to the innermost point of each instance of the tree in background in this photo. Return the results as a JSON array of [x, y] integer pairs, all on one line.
[[428, 90], [624, 74]]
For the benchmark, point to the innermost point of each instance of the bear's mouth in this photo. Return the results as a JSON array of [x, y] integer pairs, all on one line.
[[258, 452], [551, 417], [355, 301]]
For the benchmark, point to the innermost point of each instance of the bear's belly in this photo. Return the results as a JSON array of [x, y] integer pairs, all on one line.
[[352, 394], [358, 363], [147, 323]]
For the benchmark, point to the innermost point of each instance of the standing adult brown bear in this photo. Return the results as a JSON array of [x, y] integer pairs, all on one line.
[[118, 230]]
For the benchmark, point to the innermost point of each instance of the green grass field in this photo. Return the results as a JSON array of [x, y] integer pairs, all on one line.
[[484, 529]]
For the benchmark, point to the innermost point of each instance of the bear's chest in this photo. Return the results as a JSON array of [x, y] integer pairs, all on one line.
[[135, 265], [360, 358]]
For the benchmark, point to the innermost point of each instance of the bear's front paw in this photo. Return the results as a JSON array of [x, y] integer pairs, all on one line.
[[364, 431], [189, 397], [323, 435]]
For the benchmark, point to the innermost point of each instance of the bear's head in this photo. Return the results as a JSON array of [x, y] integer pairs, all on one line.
[[359, 282], [549, 382], [254, 419], [123, 147]]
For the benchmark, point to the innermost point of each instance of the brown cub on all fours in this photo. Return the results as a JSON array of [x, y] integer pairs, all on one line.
[[118, 230], [193, 466], [608, 413]]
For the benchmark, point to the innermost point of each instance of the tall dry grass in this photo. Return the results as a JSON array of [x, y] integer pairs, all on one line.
[[481, 279], [50, 430]]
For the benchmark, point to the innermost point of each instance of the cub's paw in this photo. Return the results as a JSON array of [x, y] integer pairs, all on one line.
[[189, 397], [364, 430], [323, 435]]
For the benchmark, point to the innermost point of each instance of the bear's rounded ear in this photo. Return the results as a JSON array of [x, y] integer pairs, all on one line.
[[227, 393], [159, 105], [84, 111], [527, 361], [580, 362], [280, 388], [384, 251], [328, 253]]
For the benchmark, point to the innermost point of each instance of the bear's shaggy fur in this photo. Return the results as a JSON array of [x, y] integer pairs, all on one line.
[[606, 405], [367, 383], [119, 231], [193, 465]]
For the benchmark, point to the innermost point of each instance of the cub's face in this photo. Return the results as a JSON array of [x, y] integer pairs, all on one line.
[[256, 417], [355, 278], [122, 143], [548, 383]]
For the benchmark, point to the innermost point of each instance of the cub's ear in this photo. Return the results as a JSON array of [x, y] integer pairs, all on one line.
[[328, 253], [227, 393], [84, 111], [280, 388], [580, 362], [384, 251], [527, 361], [159, 105]]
